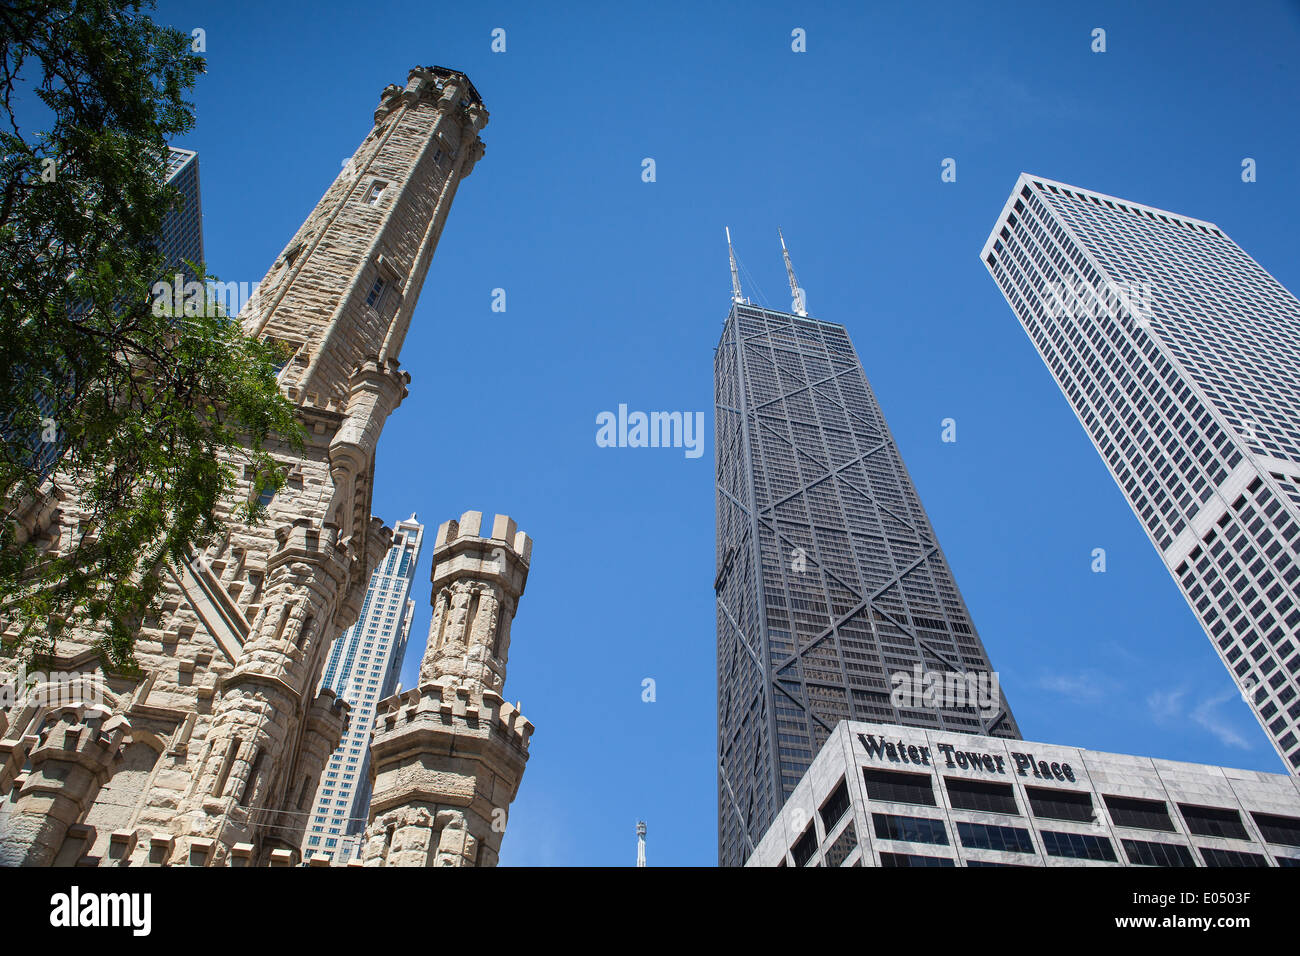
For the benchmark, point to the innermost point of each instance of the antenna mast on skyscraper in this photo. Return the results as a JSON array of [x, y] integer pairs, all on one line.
[[735, 276], [796, 293], [640, 837]]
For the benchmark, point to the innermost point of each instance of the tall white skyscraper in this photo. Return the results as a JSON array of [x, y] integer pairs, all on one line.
[[1181, 358], [362, 669]]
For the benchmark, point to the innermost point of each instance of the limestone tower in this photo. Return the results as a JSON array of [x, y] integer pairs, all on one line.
[[447, 756], [213, 755]]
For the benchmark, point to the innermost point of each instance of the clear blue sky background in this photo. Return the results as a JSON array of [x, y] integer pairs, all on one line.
[[617, 289]]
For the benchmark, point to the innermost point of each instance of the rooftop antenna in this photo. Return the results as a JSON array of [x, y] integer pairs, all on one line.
[[640, 824], [796, 293], [735, 276]]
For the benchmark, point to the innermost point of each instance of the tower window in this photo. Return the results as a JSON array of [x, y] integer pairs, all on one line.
[[1143, 814], [291, 254], [909, 829], [376, 190], [836, 805], [1142, 853], [1078, 846], [284, 351], [1060, 804], [898, 787], [375, 297], [1278, 829], [805, 847], [1214, 821], [980, 795]]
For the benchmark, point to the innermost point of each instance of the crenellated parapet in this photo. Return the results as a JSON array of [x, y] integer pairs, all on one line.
[[461, 550], [306, 573], [445, 703], [447, 761], [429, 81], [67, 760], [307, 542]]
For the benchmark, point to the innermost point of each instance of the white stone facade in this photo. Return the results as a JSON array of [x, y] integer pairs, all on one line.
[[1180, 355], [930, 798]]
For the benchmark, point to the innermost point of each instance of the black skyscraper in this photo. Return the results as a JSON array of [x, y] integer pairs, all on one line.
[[829, 576]]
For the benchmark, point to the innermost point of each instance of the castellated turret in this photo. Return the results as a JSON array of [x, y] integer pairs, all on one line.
[[448, 755]]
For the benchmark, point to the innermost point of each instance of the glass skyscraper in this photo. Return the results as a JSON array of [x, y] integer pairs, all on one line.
[[830, 581], [182, 231], [362, 668], [1180, 356], [180, 240]]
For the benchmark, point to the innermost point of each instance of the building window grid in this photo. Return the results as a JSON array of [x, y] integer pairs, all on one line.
[[889, 826], [1011, 283], [1138, 813], [1079, 846], [1214, 856], [838, 408], [914, 859], [384, 591], [1213, 821], [986, 836], [981, 796]]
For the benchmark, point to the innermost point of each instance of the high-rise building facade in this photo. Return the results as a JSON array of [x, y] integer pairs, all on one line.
[[182, 231], [830, 580], [180, 241], [883, 795], [362, 669], [211, 752], [1180, 356]]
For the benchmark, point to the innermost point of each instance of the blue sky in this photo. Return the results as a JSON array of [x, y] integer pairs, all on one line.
[[616, 291]]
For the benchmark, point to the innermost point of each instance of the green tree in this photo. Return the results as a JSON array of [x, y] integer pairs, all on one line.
[[152, 410]]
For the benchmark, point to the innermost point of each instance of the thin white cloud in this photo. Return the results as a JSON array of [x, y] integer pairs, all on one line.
[[1082, 686], [1166, 705], [1205, 714]]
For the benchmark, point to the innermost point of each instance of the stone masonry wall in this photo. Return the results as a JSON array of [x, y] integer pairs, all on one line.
[[204, 757]]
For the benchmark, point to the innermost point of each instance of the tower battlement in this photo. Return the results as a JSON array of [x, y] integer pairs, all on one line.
[[462, 553], [304, 536], [430, 81], [504, 533], [445, 703]]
